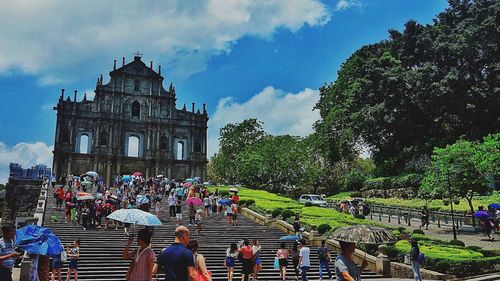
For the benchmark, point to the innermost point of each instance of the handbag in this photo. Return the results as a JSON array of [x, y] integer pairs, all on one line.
[[276, 263], [199, 275], [64, 256]]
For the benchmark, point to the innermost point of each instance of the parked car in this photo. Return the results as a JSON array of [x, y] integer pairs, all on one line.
[[314, 199]]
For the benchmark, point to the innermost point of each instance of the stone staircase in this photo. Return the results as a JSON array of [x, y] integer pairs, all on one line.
[[100, 249]]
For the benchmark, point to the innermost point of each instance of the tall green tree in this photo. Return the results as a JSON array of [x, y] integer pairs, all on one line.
[[424, 87], [234, 138]]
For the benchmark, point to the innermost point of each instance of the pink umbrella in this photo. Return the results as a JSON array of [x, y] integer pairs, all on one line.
[[195, 200], [137, 174], [187, 184]]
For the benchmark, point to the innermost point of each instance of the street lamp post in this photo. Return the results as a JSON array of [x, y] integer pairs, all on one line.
[[451, 205]]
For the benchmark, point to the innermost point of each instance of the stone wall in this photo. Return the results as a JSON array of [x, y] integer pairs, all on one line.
[[21, 199]]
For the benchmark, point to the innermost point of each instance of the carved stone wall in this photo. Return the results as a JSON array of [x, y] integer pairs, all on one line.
[[21, 199]]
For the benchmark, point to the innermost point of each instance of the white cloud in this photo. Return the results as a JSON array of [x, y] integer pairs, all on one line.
[[281, 112], [57, 40], [346, 4], [26, 154]]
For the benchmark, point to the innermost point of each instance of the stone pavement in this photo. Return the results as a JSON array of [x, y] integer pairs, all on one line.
[[445, 232]]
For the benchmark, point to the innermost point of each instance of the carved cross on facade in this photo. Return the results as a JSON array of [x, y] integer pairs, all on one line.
[[138, 54]]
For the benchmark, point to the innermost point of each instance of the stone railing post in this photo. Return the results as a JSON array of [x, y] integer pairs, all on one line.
[[383, 263]]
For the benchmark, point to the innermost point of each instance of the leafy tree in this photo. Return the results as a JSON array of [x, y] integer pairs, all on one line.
[[462, 169], [424, 87], [234, 138]]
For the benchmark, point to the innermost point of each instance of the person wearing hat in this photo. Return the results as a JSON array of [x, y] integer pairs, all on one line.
[[198, 221]]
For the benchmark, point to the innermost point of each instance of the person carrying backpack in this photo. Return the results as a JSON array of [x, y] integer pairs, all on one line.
[[324, 260]]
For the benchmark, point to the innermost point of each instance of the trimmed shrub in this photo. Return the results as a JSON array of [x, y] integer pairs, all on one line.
[[224, 193], [402, 229], [391, 252], [418, 231], [285, 214], [249, 202], [474, 248], [323, 228], [276, 212], [242, 202], [442, 266], [359, 216], [308, 204], [269, 211], [457, 243]]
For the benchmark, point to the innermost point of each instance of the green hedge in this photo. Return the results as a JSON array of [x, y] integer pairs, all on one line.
[[445, 258], [402, 181]]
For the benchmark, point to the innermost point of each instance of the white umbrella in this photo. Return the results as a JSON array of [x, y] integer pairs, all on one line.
[[92, 174], [135, 216]]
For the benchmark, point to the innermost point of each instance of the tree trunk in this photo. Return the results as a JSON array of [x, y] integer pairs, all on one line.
[[469, 201]]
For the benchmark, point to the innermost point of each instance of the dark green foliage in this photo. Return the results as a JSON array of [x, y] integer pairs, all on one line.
[[285, 214], [457, 243], [392, 252], [276, 212], [418, 231], [402, 229], [224, 193], [249, 202], [442, 266], [402, 181], [358, 216], [242, 202], [323, 228], [474, 248], [426, 86]]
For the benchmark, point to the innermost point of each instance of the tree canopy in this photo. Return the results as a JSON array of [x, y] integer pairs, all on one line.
[[424, 87]]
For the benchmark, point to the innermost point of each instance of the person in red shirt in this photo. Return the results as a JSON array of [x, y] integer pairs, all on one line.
[[59, 195], [247, 262], [235, 198]]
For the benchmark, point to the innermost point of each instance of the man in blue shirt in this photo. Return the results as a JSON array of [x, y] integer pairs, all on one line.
[[7, 253], [176, 260]]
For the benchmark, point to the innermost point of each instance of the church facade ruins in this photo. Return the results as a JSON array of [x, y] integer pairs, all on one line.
[[132, 124]]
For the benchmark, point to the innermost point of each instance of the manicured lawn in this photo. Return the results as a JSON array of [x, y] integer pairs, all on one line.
[[309, 215], [440, 252], [432, 204]]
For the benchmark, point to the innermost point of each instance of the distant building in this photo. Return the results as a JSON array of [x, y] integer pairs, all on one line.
[[39, 171]]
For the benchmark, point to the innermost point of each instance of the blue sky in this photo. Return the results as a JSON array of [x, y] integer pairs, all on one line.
[[263, 59]]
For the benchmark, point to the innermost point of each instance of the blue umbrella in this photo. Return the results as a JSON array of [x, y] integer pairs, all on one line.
[[135, 216], [225, 202], [495, 206], [126, 178], [35, 239], [482, 214], [290, 238], [141, 199]]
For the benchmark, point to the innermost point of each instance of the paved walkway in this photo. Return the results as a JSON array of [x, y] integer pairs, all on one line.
[[445, 232]]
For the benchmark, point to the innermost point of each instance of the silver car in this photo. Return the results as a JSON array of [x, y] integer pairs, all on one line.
[[314, 199]]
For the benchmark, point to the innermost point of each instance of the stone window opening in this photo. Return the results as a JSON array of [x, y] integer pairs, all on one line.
[[137, 83], [103, 138], [163, 143], [136, 109], [180, 150], [133, 146], [84, 144]]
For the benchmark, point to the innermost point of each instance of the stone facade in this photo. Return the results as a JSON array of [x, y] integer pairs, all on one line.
[[131, 125], [21, 199]]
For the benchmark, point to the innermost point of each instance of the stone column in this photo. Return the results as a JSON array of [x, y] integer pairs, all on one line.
[[169, 171], [147, 172], [108, 174], [69, 166], [118, 166], [157, 169]]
